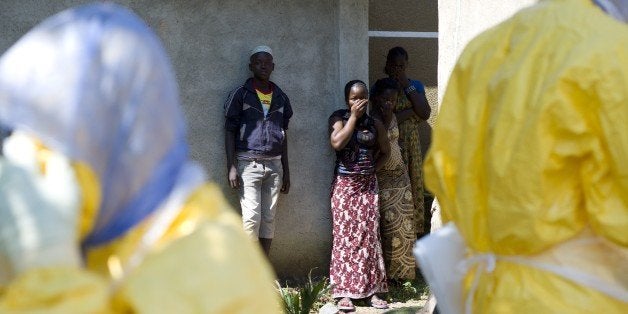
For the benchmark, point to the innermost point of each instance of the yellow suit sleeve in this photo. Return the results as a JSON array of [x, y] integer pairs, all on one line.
[[56, 290], [605, 176], [214, 268]]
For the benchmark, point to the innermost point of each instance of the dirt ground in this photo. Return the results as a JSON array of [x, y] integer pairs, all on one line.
[[411, 306], [408, 307]]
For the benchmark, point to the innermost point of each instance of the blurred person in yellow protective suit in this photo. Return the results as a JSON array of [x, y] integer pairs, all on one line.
[[529, 165], [100, 208]]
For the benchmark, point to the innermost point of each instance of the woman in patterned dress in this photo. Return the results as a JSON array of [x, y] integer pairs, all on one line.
[[395, 196], [411, 107], [357, 267]]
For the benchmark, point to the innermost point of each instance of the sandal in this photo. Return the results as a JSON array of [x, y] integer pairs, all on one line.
[[345, 304], [378, 303]]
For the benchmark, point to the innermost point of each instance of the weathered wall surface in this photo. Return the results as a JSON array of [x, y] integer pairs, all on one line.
[[318, 46], [461, 20]]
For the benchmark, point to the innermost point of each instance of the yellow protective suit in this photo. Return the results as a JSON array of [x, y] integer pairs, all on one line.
[[204, 263], [529, 158]]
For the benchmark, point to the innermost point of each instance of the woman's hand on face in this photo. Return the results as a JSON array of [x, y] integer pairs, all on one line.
[[359, 107], [400, 76]]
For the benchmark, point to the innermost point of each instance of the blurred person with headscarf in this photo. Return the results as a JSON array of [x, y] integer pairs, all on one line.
[[100, 207], [529, 164]]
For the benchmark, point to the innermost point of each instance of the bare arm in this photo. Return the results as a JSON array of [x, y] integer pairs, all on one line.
[[384, 145], [232, 168], [340, 133], [403, 115], [420, 107]]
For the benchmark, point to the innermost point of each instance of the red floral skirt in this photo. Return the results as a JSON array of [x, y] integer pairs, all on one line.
[[357, 265]]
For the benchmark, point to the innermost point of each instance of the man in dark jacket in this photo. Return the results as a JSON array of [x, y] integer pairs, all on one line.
[[257, 115]]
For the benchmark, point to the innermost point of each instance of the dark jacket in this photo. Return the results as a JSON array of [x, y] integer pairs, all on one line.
[[257, 134]]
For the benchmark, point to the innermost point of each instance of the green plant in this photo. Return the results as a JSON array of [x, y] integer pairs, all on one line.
[[409, 290], [291, 299], [301, 300]]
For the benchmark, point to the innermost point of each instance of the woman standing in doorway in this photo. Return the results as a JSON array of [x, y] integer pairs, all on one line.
[[411, 107], [357, 268]]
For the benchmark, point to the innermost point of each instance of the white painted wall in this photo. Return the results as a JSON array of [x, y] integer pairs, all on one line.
[[459, 21]]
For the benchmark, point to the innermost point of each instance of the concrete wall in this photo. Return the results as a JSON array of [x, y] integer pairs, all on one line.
[[318, 46], [461, 20]]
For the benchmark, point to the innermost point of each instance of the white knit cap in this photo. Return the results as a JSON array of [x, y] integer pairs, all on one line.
[[261, 49]]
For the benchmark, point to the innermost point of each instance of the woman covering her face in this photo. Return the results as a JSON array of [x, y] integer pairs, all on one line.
[[357, 266], [411, 107], [395, 194]]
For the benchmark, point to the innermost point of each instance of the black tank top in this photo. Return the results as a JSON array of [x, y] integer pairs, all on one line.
[[358, 156]]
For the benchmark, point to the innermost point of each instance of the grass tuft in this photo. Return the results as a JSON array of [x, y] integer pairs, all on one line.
[[403, 291], [309, 297]]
